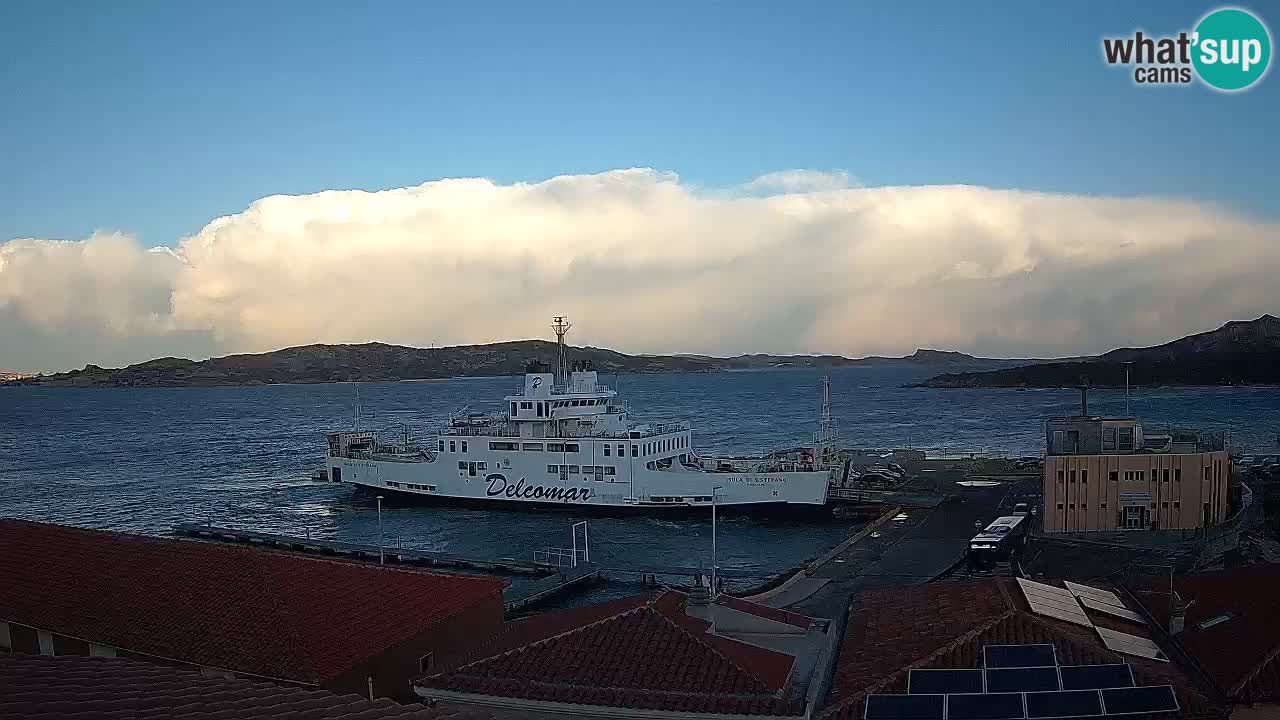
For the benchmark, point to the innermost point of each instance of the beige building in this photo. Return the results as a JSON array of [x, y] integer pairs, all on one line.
[[1105, 474]]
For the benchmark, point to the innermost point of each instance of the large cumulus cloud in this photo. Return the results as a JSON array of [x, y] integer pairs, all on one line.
[[796, 261]]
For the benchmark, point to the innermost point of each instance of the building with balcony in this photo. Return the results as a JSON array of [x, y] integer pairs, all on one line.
[[1105, 474]]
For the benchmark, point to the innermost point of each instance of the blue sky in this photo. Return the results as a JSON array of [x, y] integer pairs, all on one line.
[[155, 117]]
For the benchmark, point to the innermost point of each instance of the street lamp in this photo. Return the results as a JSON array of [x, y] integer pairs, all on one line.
[[714, 587], [381, 555]]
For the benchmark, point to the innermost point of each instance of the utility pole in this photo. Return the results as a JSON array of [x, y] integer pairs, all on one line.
[[381, 555]]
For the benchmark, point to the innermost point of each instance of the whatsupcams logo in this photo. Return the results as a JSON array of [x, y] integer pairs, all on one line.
[[1229, 50]]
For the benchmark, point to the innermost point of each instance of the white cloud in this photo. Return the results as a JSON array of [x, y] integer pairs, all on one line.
[[799, 181], [641, 262]]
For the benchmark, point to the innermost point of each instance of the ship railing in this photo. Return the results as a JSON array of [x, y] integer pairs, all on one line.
[[489, 430], [559, 557], [664, 428]]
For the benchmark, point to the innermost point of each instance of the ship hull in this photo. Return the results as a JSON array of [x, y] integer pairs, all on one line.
[[505, 484]]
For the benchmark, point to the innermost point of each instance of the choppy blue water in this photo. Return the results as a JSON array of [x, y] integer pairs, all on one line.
[[144, 459]]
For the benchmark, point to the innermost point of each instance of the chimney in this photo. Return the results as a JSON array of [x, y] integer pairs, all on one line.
[[1177, 614]]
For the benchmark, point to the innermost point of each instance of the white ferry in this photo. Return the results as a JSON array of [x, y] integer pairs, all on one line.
[[566, 440]]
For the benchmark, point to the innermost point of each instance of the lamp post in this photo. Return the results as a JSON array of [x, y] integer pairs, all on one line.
[[714, 587], [381, 555]]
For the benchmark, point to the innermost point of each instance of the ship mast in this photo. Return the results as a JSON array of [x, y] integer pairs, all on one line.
[[560, 325], [828, 430]]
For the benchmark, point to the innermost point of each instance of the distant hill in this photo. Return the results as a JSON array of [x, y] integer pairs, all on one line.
[[370, 362], [7, 375], [1238, 353]]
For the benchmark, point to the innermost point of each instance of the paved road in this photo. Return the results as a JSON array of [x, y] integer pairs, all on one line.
[[913, 550]]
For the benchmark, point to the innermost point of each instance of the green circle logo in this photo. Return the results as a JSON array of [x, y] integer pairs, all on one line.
[[1232, 49]]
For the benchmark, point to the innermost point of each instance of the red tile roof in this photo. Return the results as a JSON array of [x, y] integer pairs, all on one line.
[[643, 652], [252, 611], [946, 625], [1242, 654], [35, 687]]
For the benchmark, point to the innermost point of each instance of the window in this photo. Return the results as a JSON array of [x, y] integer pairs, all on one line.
[[96, 650], [1059, 506], [1072, 477], [553, 469], [1084, 477], [1208, 473], [441, 446], [1124, 439], [425, 662], [1062, 474], [1176, 504], [571, 447], [1166, 474], [464, 446], [576, 403], [1164, 504], [1103, 506], [526, 406], [606, 449], [504, 446], [1072, 506], [1115, 476], [1084, 506], [622, 450], [514, 408], [1177, 475], [532, 447], [610, 470], [573, 468], [1108, 439], [462, 464], [453, 446], [482, 464], [555, 447], [588, 469], [541, 410], [635, 451]]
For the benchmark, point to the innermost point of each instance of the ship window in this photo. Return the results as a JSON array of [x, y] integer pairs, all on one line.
[[540, 410], [575, 403], [588, 469], [635, 450], [553, 469], [453, 446], [571, 447], [464, 446], [430, 488], [441, 446], [504, 446], [610, 470], [622, 450], [573, 468], [462, 464], [482, 464], [534, 447], [555, 447], [607, 447]]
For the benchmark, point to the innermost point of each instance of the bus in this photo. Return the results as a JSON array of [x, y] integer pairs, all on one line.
[[998, 542]]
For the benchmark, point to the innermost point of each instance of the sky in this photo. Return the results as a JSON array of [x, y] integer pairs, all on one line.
[[683, 177]]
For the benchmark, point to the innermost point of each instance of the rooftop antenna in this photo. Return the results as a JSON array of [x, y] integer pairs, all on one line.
[[1127, 365], [560, 325]]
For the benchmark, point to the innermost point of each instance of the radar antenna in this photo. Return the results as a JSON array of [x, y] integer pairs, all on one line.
[[561, 325]]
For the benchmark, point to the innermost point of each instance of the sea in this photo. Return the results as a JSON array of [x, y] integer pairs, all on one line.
[[144, 459]]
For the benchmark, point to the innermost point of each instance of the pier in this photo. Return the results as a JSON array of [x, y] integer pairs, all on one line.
[[515, 601], [361, 551]]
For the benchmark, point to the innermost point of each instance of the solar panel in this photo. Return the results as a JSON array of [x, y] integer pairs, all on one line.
[[1019, 656], [1131, 644], [1108, 608], [1029, 586], [944, 681], [1090, 677], [1098, 594], [1064, 704], [1022, 679], [992, 706], [1071, 615], [905, 707], [1126, 701]]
